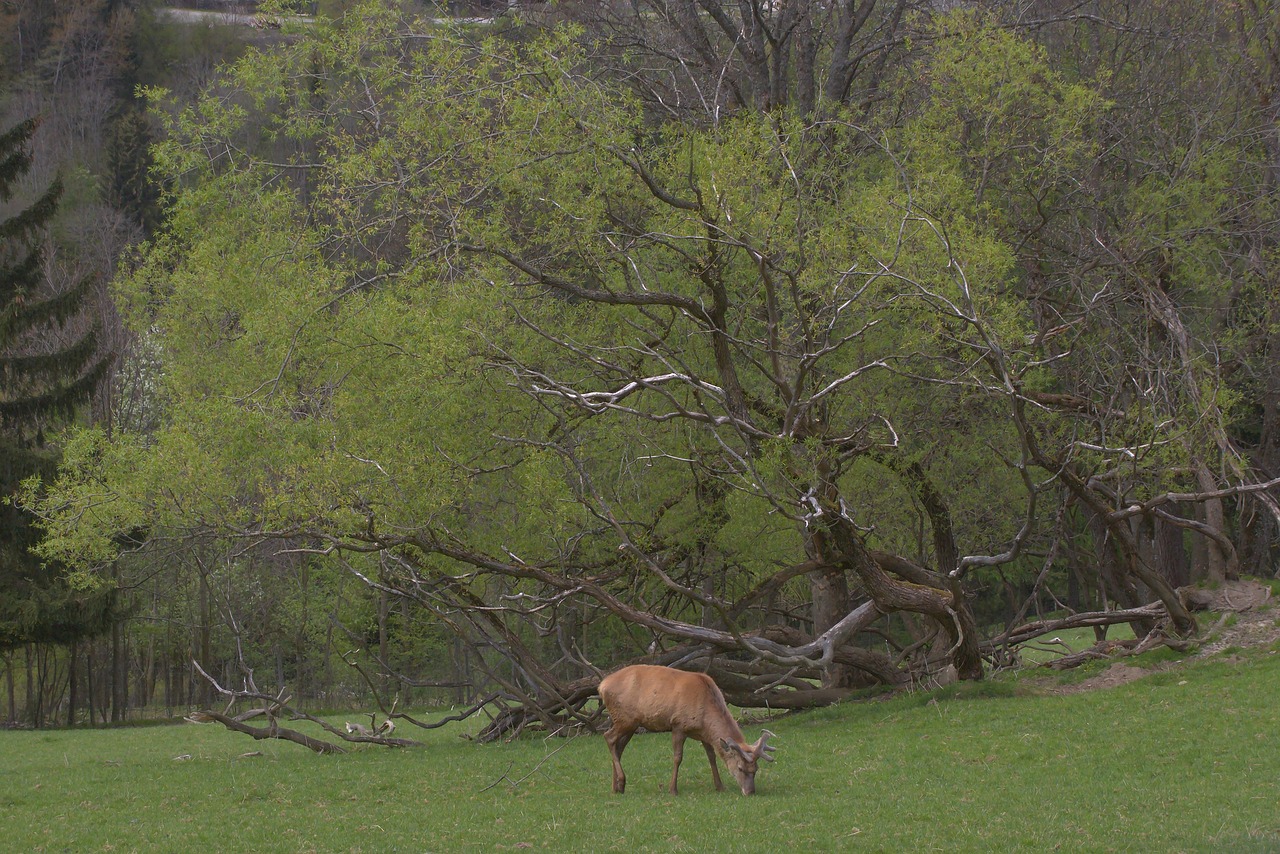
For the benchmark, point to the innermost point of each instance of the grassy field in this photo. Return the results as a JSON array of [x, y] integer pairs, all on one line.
[[1184, 760]]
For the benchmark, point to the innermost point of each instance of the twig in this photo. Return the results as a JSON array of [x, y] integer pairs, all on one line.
[[535, 768]]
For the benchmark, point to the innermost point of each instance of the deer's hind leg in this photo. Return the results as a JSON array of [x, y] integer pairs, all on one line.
[[617, 738]]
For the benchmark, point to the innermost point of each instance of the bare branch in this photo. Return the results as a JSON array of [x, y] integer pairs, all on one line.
[[1191, 497]]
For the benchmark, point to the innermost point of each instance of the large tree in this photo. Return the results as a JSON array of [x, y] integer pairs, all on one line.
[[49, 365], [555, 368], [464, 318], [706, 59]]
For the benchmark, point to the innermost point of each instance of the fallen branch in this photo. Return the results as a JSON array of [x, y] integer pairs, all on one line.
[[535, 769], [276, 707], [271, 730], [1036, 628], [1117, 649], [460, 716]]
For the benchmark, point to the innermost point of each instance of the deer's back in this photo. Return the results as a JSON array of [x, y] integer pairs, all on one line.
[[660, 698]]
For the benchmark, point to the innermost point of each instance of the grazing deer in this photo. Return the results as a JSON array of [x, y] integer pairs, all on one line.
[[688, 705]]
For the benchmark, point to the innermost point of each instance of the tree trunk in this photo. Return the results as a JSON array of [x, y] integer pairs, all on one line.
[[1217, 566], [29, 709], [166, 668], [205, 693], [382, 636], [829, 591], [1118, 544], [147, 680], [91, 681], [1119, 588], [42, 678], [1262, 533], [1170, 553], [118, 673], [946, 606], [73, 684], [13, 699]]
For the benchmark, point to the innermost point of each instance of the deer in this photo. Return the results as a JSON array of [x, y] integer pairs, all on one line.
[[688, 705]]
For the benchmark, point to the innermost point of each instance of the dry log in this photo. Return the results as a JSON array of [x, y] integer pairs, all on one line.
[[271, 730], [1036, 628]]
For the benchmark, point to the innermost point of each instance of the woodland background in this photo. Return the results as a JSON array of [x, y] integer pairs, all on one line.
[[459, 354]]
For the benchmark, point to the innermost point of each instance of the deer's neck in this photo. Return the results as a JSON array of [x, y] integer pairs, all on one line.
[[719, 723]]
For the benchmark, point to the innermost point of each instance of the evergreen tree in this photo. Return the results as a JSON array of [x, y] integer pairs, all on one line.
[[47, 370]]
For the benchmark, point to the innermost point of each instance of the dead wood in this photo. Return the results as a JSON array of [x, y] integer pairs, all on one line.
[[276, 707], [1119, 648], [1036, 628], [271, 730], [1229, 596]]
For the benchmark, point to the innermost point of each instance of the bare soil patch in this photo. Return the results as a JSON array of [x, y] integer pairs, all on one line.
[[1232, 614], [1230, 596]]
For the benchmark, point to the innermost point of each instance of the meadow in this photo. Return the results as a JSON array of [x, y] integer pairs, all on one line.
[[1183, 760]]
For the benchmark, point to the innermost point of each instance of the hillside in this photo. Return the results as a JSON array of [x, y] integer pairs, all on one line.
[[1238, 620]]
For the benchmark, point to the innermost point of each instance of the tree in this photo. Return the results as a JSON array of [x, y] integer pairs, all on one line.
[[706, 60], [461, 317], [49, 365], [691, 309], [77, 64], [1168, 239]]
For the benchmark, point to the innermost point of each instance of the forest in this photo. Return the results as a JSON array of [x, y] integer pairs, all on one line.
[[397, 355]]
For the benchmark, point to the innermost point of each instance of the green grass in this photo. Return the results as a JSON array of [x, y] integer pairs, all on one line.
[[1073, 640], [1184, 760]]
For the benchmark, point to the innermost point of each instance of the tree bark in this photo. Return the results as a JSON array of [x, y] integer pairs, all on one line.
[[1128, 566], [272, 730], [33, 698], [73, 683], [203, 637], [13, 699], [829, 592], [1217, 566], [889, 595], [1170, 553]]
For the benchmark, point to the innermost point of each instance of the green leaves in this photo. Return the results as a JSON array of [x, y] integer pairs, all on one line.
[[429, 294], [388, 256], [1001, 137]]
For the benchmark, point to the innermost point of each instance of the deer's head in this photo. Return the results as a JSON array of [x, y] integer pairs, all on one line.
[[743, 760]]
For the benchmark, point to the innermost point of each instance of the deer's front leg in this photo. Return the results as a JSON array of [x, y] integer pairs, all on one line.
[[677, 747], [715, 769]]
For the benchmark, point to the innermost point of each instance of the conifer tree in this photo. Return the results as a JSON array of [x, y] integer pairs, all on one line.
[[48, 368]]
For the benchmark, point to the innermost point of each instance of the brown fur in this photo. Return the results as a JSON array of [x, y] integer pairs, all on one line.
[[688, 705]]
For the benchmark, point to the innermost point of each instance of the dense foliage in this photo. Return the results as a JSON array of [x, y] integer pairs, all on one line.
[[49, 365], [579, 368]]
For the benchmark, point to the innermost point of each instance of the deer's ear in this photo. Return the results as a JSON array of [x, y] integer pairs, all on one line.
[[732, 747]]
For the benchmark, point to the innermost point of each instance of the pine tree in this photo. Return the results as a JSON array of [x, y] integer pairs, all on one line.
[[46, 373]]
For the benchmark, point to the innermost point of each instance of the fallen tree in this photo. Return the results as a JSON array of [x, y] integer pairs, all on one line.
[[275, 708]]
